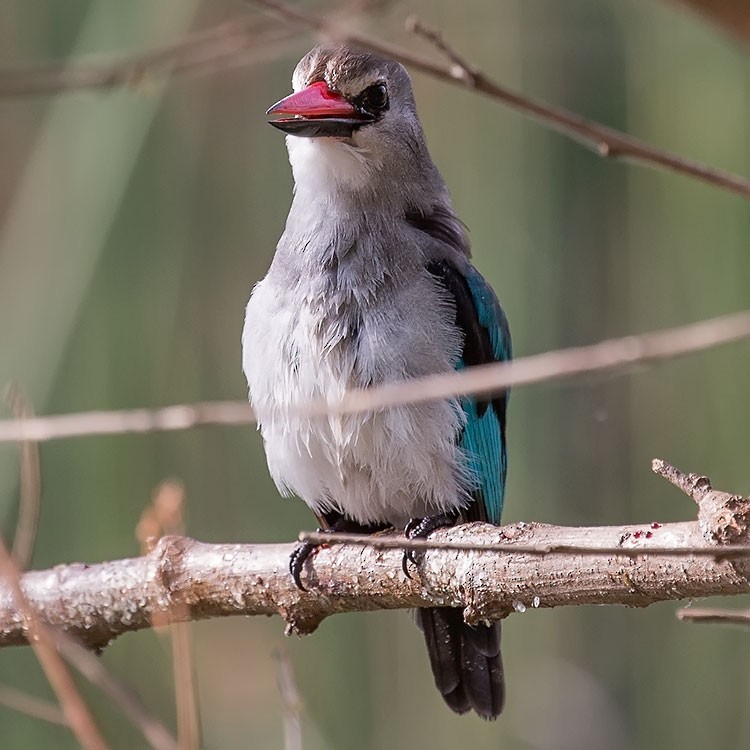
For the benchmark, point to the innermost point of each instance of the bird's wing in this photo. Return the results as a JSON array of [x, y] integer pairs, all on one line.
[[486, 338]]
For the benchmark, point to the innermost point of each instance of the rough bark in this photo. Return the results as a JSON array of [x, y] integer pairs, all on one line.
[[550, 566]]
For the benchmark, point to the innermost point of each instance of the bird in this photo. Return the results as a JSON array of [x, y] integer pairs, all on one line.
[[372, 283]]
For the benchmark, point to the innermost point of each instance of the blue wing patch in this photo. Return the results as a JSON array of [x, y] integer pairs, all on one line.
[[486, 339]]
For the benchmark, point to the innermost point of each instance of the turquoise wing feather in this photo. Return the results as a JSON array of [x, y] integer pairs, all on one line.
[[486, 338]]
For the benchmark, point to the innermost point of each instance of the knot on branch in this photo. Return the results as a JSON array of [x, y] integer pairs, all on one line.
[[724, 518], [169, 554]]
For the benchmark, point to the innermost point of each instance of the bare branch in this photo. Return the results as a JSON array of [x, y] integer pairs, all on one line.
[[722, 517], [230, 44], [605, 141], [225, 45], [291, 703], [732, 15], [30, 483], [166, 515], [118, 422], [735, 552], [30, 705], [715, 616], [694, 486], [121, 694], [463, 69], [49, 644], [77, 716], [516, 566], [606, 356], [242, 41]]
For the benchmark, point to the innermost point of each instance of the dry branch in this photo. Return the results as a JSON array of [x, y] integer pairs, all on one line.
[[732, 15], [606, 356], [30, 483], [225, 45], [627, 565], [30, 705], [78, 718], [716, 616], [165, 515], [603, 140], [242, 41]]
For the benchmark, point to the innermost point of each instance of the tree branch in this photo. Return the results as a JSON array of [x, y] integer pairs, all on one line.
[[732, 15], [605, 141], [222, 46], [715, 616], [538, 566], [31, 706], [606, 356], [78, 718], [239, 41]]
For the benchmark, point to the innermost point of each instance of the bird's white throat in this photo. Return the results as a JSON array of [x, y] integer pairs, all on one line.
[[322, 167]]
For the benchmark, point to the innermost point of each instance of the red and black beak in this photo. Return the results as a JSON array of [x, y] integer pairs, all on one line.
[[318, 111]]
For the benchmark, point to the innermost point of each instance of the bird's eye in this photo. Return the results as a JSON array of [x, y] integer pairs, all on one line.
[[374, 99]]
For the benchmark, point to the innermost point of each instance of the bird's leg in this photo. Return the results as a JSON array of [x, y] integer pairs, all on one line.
[[330, 522], [421, 528]]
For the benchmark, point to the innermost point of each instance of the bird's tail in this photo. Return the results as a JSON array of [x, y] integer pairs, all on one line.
[[465, 660]]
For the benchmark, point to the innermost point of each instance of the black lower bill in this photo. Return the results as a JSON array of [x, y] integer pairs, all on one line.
[[319, 127]]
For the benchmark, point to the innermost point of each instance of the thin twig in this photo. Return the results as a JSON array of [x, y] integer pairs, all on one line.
[[291, 704], [169, 507], [612, 355], [715, 616], [188, 726], [165, 514], [122, 695], [30, 705], [48, 642], [30, 483], [693, 485], [463, 69], [116, 422], [605, 141], [641, 538], [77, 716], [731, 15], [234, 43], [225, 45]]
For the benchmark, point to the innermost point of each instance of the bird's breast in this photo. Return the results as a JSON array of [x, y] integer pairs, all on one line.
[[387, 465], [297, 352]]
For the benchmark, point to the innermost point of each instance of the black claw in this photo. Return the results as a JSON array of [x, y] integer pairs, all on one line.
[[334, 522], [297, 562], [405, 560], [421, 528], [409, 556]]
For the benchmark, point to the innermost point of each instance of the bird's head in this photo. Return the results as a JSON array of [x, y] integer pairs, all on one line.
[[351, 123]]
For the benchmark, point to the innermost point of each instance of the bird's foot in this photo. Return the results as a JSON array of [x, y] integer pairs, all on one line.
[[421, 528], [335, 523], [298, 558]]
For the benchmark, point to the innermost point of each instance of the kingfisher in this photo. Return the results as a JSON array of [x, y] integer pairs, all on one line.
[[372, 283]]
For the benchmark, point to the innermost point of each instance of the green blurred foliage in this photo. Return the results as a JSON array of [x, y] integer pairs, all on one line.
[[133, 224]]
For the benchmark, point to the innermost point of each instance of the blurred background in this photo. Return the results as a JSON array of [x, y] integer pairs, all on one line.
[[133, 224]]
